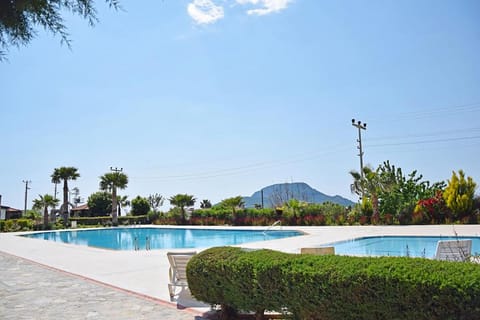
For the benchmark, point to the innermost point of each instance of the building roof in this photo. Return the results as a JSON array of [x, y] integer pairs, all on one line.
[[80, 207]]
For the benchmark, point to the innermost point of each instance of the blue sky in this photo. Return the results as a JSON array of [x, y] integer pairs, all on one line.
[[219, 98]]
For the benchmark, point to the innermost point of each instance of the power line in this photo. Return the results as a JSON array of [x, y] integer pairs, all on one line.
[[423, 141], [451, 110]]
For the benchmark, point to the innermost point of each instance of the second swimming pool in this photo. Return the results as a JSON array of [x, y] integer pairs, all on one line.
[[412, 246], [160, 238]]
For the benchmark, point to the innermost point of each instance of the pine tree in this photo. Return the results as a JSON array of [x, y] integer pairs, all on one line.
[[459, 194]]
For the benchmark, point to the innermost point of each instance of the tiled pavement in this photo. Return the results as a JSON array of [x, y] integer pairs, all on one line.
[[29, 290]]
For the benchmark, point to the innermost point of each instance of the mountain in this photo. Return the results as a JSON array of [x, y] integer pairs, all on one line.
[[278, 194]]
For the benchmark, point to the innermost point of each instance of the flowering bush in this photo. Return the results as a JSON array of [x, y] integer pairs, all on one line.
[[431, 210]]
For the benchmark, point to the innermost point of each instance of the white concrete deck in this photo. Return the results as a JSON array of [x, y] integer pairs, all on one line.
[[146, 272]]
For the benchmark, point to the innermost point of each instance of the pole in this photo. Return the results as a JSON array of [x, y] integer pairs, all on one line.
[[261, 191], [26, 195], [361, 126]]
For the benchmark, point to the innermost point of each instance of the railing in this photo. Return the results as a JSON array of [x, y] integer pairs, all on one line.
[[276, 223]]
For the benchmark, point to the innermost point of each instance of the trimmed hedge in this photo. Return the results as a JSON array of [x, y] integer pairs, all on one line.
[[13, 225], [89, 221], [335, 287]]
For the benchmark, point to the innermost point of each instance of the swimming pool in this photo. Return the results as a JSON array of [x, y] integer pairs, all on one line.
[[160, 238], [411, 246]]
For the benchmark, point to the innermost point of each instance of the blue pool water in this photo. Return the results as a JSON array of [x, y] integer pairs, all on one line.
[[397, 246], [160, 238]]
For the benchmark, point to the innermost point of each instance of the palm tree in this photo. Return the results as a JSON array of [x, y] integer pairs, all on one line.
[[205, 204], [122, 201], [65, 174], [110, 182], [181, 201], [42, 203], [368, 185], [233, 203]]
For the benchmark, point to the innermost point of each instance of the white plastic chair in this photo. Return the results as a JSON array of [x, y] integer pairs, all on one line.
[[178, 270], [453, 250]]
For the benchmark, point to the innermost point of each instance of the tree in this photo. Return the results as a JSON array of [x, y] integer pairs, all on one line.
[[459, 194], [155, 201], [65, 174], [44, 202], [110, 182], [181, 201], [233, 203], [140, 206], [19, 19], [402, 193], [100, 203], [205, 204], [122, 201], [368, 186]]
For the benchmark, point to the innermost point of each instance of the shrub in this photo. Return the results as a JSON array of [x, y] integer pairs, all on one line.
[[335, 287], [140, 206]]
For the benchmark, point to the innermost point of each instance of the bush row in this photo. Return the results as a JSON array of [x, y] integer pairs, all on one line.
[[105, 221], [13, 225], [334, 287]]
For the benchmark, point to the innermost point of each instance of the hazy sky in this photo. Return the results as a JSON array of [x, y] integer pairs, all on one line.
[[219, 98]]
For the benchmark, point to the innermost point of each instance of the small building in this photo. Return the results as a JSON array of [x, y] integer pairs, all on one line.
[[9, 213], [80, 211]]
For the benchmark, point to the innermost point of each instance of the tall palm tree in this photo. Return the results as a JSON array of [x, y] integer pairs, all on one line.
[[43, 203], [181, 201], [369, 185], [110, 182], [65, 174]]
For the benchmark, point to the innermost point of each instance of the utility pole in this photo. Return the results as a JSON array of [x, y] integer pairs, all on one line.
[[116, 169], [26, 195], [361, 126]]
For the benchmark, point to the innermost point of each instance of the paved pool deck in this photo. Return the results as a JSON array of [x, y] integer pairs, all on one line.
[[139, 276]]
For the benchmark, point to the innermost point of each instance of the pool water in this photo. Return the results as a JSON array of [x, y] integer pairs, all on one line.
[[397, 246], [160, 238]]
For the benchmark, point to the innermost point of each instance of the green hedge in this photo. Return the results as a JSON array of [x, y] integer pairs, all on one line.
[[335, 287], [12, 225], [122, 220]]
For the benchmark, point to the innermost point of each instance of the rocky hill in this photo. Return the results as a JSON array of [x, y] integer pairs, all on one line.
[[278, 194]]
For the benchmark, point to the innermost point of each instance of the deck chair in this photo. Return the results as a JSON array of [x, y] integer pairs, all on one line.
[[453, 250], [178, 270]]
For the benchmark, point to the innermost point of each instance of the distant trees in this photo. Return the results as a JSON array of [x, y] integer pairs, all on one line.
[[112, 181], [182, 201], [410, 199], [43, 203], [64, 174]]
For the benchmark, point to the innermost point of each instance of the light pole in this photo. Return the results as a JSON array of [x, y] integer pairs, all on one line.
[[361, 126], [26, 195]]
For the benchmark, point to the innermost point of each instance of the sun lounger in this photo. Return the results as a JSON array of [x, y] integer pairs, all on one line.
[[453, 250], [178, 270]]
